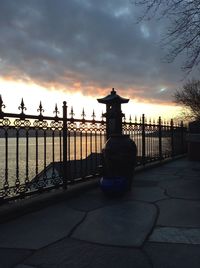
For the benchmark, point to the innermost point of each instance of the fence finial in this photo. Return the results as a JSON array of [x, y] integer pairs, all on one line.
[[72, 112], [150, 120], [56, 112], [83, 114], [1, 104], [93, 115], [135, 119], [40, 109], [182, 123], [102, 116], [124, 118], [22, 107]]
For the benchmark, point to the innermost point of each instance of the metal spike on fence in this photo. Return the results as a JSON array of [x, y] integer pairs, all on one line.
[[93, 115], [135, 119], [40, 109], [182, 124], [83, 114], [143, 119], [1, 101], [150, 121], [102, 116], [56, 112], [130, 119], [22, 107], [124, 119], [164, 122], [1, 104], [72, 113]]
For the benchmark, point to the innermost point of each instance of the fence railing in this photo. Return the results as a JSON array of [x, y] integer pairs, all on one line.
[[156, 140], [39, 153]]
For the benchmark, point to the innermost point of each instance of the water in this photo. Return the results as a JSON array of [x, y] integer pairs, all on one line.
[[77, 148]]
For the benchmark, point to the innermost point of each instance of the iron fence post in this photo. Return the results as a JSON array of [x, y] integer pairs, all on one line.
[[64, 167], [143, 140], [182, 138], [172, 137], [160, 137]]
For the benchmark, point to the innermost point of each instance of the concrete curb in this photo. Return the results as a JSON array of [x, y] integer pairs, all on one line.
[[19, 208]]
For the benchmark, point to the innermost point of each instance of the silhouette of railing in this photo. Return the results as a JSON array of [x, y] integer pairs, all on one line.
[[39, 153], [156, 140]]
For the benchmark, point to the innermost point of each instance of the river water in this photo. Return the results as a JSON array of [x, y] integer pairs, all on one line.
[[77, 148]]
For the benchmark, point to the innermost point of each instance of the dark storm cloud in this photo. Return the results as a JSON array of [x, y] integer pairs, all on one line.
[[94, 43]]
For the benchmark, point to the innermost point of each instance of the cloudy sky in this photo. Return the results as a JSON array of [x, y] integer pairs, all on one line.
[[84, 47]]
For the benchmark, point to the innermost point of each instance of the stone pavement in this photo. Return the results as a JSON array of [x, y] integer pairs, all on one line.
[[157, 224]]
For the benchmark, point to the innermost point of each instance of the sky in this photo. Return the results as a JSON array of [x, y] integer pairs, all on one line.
[[78, 50]]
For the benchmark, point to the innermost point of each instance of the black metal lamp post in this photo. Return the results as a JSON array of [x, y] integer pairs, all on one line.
[[119, 153], [113, 113]]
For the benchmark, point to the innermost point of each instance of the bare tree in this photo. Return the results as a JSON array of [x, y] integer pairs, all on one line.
[[189, 98], [183, 34]]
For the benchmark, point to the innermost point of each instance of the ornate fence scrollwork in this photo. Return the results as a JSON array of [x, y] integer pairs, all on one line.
[[20, 123], [6, 189], [40, 124], [5, 122], [56, 125], [72, 126]]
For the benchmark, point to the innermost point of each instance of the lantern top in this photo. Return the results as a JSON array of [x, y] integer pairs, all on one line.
[[112, 98]]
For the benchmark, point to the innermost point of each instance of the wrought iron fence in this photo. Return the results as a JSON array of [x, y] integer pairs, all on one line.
[[156, 140], [39, 153]]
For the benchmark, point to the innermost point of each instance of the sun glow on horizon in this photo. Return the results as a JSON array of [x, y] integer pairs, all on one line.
[[12, 92]]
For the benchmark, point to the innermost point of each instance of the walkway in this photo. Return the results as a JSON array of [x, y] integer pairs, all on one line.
[[156, 225]]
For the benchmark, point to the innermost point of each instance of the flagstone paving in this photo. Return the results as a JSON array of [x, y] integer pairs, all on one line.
[[157, 224]]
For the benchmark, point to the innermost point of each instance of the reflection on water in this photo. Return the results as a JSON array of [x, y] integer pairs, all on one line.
[[78, 148]]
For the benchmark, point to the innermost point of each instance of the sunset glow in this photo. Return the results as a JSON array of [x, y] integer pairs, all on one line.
[[12, 93]]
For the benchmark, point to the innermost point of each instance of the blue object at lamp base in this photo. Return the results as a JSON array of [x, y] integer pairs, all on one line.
[[114, 185]]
